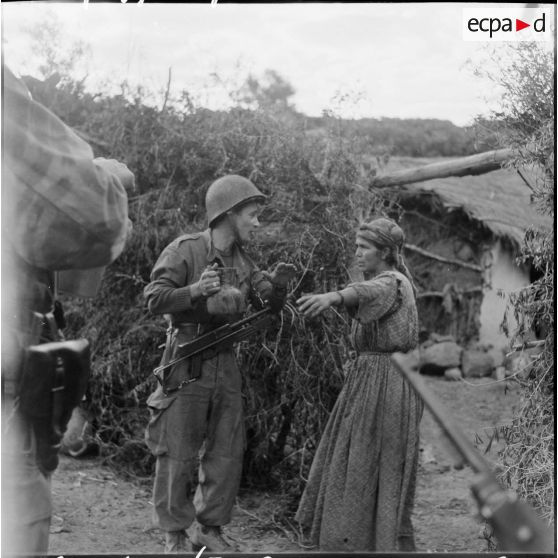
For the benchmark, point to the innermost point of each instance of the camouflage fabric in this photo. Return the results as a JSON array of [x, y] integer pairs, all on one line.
[[360, 491], [51, 180], [61, 209]]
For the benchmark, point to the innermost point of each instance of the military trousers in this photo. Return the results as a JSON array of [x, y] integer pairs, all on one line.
[[198, 426]]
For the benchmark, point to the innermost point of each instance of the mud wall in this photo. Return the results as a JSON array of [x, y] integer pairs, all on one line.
[[450, 295], [502, 277]]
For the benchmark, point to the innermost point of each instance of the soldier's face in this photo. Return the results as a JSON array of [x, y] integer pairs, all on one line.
[[246, 221]]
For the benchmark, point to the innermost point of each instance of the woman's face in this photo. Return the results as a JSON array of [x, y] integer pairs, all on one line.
[[369, 258]]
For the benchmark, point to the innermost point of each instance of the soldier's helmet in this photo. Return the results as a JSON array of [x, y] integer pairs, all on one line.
[[229, 192]]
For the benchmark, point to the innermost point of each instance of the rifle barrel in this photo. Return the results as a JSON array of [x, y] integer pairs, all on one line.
[[466, 449], [516, 526]]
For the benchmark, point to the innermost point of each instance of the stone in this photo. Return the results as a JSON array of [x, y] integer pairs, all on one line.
[[519, 364], [476, 364], [439, 357], [438, 338], [499, 373], [498, 355], [465, 253], [426, 454], [453, 374]]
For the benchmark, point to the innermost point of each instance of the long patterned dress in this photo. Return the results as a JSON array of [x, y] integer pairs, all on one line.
[[361, 486]]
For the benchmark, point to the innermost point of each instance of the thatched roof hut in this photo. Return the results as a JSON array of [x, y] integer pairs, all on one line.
[[463, 237], [464, 234], [499, 200]]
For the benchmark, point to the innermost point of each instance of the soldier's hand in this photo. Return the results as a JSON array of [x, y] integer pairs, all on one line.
[[120, 170], [209, 282], [283, 273]]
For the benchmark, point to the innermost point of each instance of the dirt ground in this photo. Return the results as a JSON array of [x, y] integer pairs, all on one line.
[[97, 512]]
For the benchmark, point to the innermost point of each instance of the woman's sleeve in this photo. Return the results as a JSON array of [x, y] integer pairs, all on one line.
[[376, 297]]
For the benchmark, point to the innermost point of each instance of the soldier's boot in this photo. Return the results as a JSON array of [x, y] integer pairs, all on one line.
[[212, 538], [177, 541]]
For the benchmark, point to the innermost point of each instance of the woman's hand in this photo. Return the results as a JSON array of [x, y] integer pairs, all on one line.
[[313, 305], [209, 283]]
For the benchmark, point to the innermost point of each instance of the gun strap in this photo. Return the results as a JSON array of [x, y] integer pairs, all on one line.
[[167, 391], [58, 396]]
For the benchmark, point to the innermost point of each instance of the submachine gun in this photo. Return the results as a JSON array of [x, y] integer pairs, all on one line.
[[222, 337], [516, 525], [209, 344]]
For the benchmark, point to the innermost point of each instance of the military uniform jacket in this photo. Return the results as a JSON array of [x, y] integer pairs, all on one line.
[[181, 264]]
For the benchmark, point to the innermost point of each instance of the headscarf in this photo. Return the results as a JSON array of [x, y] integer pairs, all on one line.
[[387, 233]]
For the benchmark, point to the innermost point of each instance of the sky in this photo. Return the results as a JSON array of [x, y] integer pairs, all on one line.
[[399, 60]]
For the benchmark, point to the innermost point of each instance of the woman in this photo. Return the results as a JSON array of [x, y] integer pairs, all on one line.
[[360, 491]]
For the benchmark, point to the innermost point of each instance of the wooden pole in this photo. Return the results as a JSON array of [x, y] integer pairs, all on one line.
[[440, 294], [471, 165], [432, 256]]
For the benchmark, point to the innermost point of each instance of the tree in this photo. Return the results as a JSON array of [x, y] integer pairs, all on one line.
[[58, 55], [60, 68], [270, 92]]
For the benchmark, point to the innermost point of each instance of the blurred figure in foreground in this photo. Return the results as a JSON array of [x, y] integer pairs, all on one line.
[[63, 212]]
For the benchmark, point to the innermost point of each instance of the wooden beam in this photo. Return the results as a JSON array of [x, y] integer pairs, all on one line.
[[432, 256], [471, 165], [528, 345], [440, 294]]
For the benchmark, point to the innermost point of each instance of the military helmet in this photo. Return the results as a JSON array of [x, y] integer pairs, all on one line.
[[229, 192]]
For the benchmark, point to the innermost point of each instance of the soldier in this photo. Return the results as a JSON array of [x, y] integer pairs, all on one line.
[[61, 210], [187, 284]]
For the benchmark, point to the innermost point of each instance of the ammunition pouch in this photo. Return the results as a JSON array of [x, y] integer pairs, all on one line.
[[53, 382]]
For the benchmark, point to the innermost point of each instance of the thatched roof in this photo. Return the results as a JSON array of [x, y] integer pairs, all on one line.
[[500, 200]]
